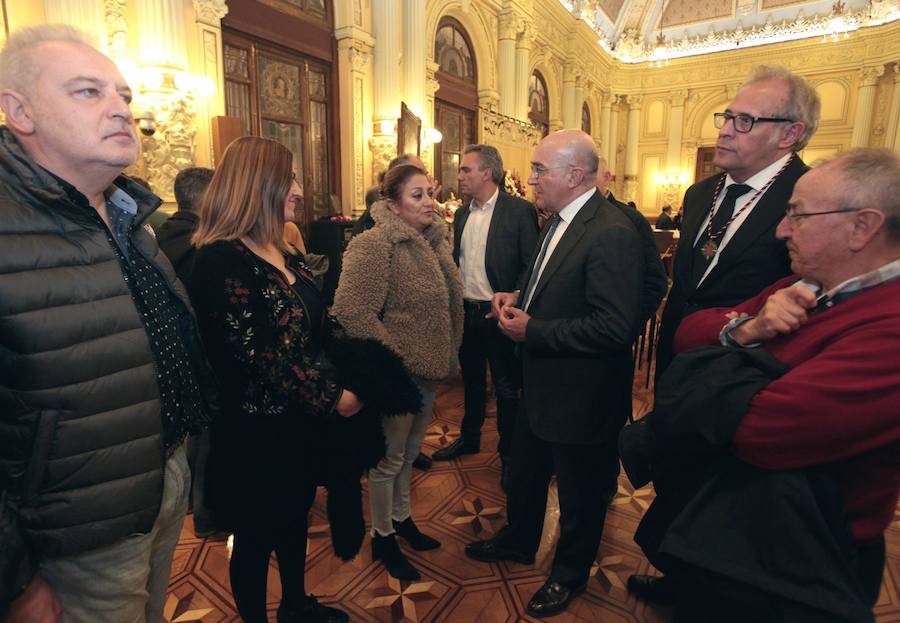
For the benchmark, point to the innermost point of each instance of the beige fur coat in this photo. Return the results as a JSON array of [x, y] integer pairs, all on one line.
[[403, 289]]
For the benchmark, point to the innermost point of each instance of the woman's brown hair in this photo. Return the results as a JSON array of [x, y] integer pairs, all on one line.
[[395, 179], [246, 194]]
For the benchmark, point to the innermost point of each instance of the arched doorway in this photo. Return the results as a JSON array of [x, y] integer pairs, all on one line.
[[456, 100], [538, 102]]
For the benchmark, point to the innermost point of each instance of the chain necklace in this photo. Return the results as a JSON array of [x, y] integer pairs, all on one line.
[[711, 246]]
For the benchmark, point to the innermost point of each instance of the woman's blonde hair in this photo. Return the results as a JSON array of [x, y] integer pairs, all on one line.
[[247, 193]]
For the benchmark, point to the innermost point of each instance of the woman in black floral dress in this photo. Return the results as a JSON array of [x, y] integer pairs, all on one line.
[[264, 325]]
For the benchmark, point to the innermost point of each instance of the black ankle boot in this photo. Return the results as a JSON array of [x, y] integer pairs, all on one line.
[[385, 549], [311, 612], [417, 540]]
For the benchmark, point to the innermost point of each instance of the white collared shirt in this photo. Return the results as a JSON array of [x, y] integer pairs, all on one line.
[[472, 247], [755, 182], [566, 216]]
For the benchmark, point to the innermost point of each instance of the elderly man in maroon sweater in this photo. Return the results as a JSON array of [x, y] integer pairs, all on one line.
[[835, 325]]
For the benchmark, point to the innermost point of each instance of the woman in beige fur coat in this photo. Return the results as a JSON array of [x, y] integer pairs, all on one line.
[[399, 285]]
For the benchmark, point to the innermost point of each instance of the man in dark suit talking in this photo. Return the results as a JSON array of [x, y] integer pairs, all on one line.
[[494, 236], [574, 317]]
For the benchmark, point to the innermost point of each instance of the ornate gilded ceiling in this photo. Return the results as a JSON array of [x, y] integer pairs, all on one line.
[[630, 29]]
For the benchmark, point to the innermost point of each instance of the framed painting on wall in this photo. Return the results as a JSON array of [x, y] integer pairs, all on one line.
[[409, 128]]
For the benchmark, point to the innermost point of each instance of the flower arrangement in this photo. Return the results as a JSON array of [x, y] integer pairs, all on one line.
[[447, 209], [512, 185]]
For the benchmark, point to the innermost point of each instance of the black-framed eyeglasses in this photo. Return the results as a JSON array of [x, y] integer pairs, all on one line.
[[791, 213], [743, 122]]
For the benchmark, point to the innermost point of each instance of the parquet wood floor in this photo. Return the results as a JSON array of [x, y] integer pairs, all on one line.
[[458, 501]]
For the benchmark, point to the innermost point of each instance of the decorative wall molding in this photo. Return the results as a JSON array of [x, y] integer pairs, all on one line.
[[508, 129], [171, 148], [116, 28], [210, 12], [384, 148]]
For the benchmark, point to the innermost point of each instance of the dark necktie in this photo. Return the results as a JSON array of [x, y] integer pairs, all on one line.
[[719, 220], [532, 280]]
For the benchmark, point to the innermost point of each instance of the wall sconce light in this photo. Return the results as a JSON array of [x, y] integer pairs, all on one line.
[[670, 181], [431, 136], [670, 184], [387, 126]]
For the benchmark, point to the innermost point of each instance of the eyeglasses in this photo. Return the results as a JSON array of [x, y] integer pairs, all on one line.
[[539, 171], [743, 123], [791, 213]]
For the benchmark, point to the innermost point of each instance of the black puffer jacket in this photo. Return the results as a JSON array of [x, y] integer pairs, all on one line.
[[81, 449]]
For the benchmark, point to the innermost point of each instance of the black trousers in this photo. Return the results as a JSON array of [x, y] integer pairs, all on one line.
[[483, 344], [249, 567], [584, 475]]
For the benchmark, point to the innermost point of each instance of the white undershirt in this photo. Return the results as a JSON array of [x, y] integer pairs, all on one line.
[[566, 216], [755, 182], [472, 247]]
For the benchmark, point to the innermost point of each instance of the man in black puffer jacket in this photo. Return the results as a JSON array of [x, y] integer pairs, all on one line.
[[100, 367]]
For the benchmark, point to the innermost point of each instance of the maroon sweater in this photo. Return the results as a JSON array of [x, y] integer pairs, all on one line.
[[839, 402]]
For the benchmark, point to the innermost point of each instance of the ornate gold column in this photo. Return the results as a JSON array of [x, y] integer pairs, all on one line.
[[612, 149], [606, 98], [431, 87], [568, 96], [414, 54], [86, 15], [580, 82], [631, 145], [865, 103], [385, 82], [506, 62], [523, 73], [354, 53], [676, 132], [208, 30], [892, 138], [166, 91]]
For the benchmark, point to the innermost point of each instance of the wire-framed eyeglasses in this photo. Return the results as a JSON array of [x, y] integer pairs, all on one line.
[[539, 171], [743, 122], [791, 213]]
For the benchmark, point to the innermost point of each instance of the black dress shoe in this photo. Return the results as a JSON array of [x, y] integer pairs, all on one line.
[[455, 449], [311, 612], [552, 598], [658, 590], [494, 550], [422, 462]]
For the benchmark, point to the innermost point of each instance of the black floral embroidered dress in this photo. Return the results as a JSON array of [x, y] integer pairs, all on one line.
[[263, 338]]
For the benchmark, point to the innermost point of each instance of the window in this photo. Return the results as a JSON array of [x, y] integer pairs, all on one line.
[[538, 104], [453, 52], [456, 100], [585, 118]]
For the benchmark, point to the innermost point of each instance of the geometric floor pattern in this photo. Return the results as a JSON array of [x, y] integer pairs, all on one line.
[[457, 502]]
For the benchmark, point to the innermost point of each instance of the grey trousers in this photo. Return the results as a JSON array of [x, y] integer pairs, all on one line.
[[126, 582], [389, 480]]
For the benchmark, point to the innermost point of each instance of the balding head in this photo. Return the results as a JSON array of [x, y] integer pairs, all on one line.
[[563, 167], [844, 217]]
